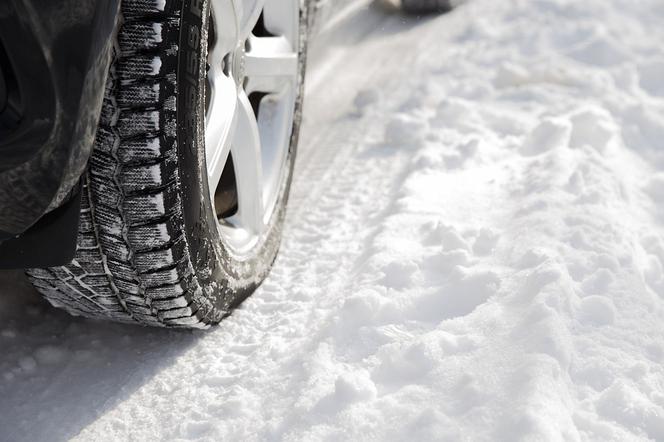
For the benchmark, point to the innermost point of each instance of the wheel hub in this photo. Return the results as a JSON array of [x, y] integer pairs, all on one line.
[[238, 65]]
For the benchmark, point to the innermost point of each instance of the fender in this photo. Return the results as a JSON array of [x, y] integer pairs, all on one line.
[[54, 59]]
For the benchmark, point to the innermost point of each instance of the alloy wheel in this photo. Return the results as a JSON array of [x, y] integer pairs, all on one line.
[[252, 86]]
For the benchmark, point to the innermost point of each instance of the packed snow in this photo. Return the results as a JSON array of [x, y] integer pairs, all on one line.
[[474, 251]]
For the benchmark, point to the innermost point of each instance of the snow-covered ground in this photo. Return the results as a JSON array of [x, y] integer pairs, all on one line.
[[474, 250]]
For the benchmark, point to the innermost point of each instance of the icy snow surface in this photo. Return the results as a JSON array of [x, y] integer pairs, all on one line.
[[474, 250]]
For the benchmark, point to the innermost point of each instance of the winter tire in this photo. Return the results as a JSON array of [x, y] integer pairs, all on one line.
[[185, 194], [426, 6]]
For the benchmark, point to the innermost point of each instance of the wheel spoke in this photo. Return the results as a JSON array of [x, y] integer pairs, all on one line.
[[270, 65], [251, 11], [282, 21], [220, 124], [246, 150], [226, 16]]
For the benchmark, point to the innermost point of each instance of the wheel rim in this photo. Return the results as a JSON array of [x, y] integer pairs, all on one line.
[[252, 86]]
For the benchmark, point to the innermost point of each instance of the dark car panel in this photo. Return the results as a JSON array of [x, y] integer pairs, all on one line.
[[54, 57]]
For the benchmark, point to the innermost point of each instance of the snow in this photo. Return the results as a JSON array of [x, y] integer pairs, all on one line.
[[156, 64], [474, 250], [157, 29]]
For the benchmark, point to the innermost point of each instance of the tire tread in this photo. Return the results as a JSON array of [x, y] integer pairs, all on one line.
[[132, 261]]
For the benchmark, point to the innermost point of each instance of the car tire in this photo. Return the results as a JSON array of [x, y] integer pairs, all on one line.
[[426, 6], [153, 248]]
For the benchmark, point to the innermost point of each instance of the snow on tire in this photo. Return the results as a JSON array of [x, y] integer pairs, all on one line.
[[149, 247]]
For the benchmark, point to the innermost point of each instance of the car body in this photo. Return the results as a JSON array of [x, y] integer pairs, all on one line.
[[53, 64]]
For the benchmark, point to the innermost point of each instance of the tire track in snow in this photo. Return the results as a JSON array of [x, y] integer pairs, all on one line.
[[339, 190]]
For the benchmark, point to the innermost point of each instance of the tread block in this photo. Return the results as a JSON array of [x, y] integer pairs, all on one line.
[[170, 275], [154, 34], [148, 149], [176, 313], [114, 247], [85, 222], [75, 270], [141, 94], [91, 259], [99, 282], [154, 261], [140, 308], [142, 178], [135, 300], [152, 236], [86, 241], [188, 322], [138, 208], [60, 273], [141, 36], [147, 7], [139, 67], [106, 140], [170, 304], [123, 271], [132, 124], [147, 320], [166, 291], [106, 193], [127, 288], [109, 221]]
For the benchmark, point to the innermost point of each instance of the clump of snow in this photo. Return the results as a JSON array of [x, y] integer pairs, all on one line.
[[626, 405], [156, 65], [597, 310], [157, 29], [592, 127], [485, 242], [404, 131], [549, 134]]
